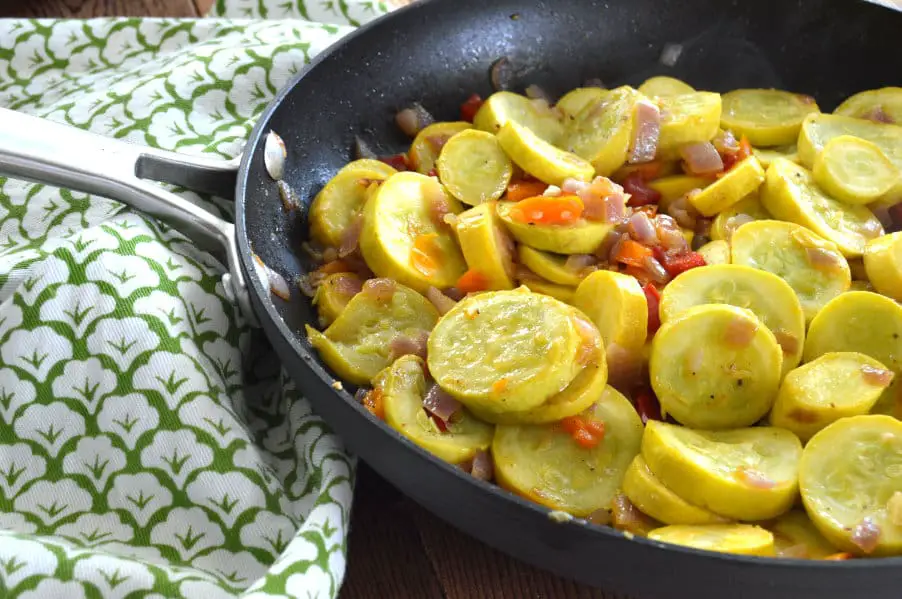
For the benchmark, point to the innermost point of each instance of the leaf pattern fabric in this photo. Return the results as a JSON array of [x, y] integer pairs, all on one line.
[[148, 447]]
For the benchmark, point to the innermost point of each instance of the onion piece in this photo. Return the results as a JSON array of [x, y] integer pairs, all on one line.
[[575, 186], [658, 273], [683, 212], [669, 234], [670, 55], [350, 237], [605, 249], [274, 155], [798, 551], [615, 249], [894, 508], [483, 468], [642, 229], [414, 119], [878, 115], [740, 332], [866, 535], [501, 74], [824, 259], [290, 199], [534, 92], [646, 133], [380, 289], [753, 478], [702, 158], [362, 150], [877, 377], [787, 341], [403, 345], [577, 263], [608, 209], [591, 341], [628, 518], [624, 367], [442, 302], [440, 404], [552, 191], [736, 221], [726, 143], [277, 284], [348, 285], [306, 285]]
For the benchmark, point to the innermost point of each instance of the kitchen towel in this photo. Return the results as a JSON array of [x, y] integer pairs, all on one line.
[[147, 447]]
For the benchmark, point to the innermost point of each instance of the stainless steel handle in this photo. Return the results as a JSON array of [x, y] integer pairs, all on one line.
[[47, 152]]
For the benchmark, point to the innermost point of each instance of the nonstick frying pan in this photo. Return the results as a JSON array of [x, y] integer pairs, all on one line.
[[438, 52]]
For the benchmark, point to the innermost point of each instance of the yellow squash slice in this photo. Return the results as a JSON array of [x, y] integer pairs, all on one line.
[[545, 464], [539, 158], [474, 168], [501, 107], [768, 296], [745, 210], [403, 387], [582, 237], [851, 483], [428, 144], [885, 102], [858, 321], [686, 119], [747, 474], [649, 494], [486, 245], [767, 155], [341, 200], [358, 344], [795, 536], [812, 266], [854, 170], [674, 187], [768, 117], [741, 539], [573, 102], [665, 86], [883, 264], [715, 367], [506, 350], [835, 385], [550, 266], [602, 132], [588, 387], [333, 295], [616, 304], [715, 252], [740, 181], [400, 239], [564, 293]]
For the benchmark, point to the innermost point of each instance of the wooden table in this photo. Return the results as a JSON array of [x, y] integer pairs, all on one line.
[[397, 549]]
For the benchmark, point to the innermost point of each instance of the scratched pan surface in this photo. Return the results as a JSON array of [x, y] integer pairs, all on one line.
[[438, 52]]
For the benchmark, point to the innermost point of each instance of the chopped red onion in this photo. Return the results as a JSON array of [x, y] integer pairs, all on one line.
[[440, 404], [274, 155], [627, 516], [278, 286], [414, 119], [646, 133], [501, 74], [403, 345], [736, 221], [683, 212], [878, 377], [642, 229], [455, 293], [824, 259], [624, 367], [669, 234], [289, 197], [608, 209], [726, 143], [591, 341], [866, 536], [604, 251], [348, 285], [575, 186], [579, 262], [350, 237], [442, 302], [438, 142], [702, 158], [482, 468], [380, 289], [878, 115], [658, 273], [439, 208]]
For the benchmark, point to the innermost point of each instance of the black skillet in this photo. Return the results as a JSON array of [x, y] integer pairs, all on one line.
[[438, 52]]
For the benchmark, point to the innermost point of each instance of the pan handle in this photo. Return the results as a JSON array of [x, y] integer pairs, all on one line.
[[55, 154]]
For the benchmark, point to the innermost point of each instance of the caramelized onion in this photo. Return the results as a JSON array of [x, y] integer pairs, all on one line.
[[605, 250], [726, 143], [624, 367], [579, 262], [642, 229], [701, 158], [482, 467], [442, 302], [591, 341], [628, 518], [866, 536], [669, 234], [306, 285], [501, 74], [403, 345], [380, 289], [348, 285], [608, 209], [350, 237], [683, 212], [440, 404], [824, 259], [658, 273], [646, 133], [414, 119], [740, 332], [877, 377]]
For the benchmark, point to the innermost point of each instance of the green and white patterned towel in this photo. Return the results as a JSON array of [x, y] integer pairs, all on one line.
[[142, 452]]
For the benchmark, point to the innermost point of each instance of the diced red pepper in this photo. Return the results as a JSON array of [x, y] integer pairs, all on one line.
[[521, 190], [432, 173], [647, 405], [641, 194], [469, 108], [375, 403], [472, 281], [653, 298], [438, 422], [585, 439], [731, 159], [676, 264], [399, 162], [587, 433], [633, 253]]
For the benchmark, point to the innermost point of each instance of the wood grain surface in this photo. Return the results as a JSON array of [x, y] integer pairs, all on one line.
[[397, 550]]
